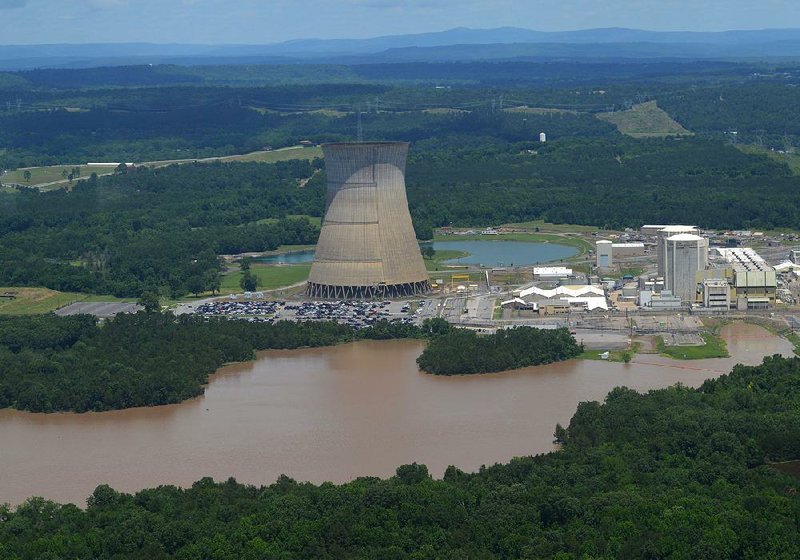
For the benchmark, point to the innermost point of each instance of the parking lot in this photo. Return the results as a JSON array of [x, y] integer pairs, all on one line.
[[358, 314]]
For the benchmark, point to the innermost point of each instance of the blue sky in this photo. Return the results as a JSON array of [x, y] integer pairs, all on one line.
[[269, 21]]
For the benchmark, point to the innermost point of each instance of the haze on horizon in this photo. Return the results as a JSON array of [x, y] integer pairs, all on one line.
[[271, 21]]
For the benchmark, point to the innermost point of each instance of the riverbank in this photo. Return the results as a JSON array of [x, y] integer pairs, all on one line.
[[332, 414]]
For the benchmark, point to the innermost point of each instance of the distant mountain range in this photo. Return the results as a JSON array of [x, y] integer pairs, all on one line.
[[505, 43]]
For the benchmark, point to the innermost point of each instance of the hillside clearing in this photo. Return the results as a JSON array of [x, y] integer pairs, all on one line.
[[645, 120]]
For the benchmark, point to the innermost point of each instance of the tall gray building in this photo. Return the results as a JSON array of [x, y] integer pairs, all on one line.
[[367, 247], [685, 254], [662, 234]]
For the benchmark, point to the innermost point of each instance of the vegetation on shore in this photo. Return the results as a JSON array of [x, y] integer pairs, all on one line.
[[713, 347], [460, 351], [50, 363], [673, 473]]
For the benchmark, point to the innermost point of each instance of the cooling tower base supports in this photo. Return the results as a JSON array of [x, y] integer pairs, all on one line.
[[326, 291]]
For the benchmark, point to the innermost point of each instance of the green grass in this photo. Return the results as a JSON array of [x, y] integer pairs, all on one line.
[[42, 175], [546, 227], [714, 347], [582, 245], [497, 311], [314, 220], [539, 110], [474, 277], [791, 159], [613, 355], [437, 262], [270, 277], [632, 271], [30, 301], [645, 120], [284, 154], [51, 173]]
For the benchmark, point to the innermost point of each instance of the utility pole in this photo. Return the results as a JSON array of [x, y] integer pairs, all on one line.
[[359, 130]]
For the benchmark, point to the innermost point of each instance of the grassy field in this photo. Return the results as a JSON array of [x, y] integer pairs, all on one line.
[[30, 301], [582, 245], [643, 121], [315, 220], [538, 110], [283, 154], [790, 159], [445, 275], [270, 277], [437, 262], [546, 227], [613, 355], [632, 271], [42, 175], [714, 347], [49, 174]]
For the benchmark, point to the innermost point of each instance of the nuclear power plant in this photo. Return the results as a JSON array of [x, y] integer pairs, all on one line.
[[367, 246]]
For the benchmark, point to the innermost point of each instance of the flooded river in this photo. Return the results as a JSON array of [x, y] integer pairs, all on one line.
[[329, 414]]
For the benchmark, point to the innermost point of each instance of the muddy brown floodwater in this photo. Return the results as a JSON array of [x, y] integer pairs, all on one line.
[[329, 414]]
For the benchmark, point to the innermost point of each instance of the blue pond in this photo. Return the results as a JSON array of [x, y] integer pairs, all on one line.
[[505, 253], [486, 253]]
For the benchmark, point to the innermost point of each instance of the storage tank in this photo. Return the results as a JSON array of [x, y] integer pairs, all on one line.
[[661, 242], [367, 247], [685, 254]]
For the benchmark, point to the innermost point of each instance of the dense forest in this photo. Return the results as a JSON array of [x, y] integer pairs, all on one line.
[[674, 473], [50, 363], [154, 229], [162, 229], [460, 351], [226, 127], [612, 183]]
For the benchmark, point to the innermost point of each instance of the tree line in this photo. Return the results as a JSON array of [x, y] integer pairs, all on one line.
[[50, 363], [155, 230], [675, 472], [460, 351]]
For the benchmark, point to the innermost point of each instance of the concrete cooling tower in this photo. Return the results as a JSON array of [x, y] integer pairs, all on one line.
[[367, 247]]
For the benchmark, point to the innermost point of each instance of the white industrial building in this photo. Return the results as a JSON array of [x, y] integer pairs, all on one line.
[[754, 280], [551, 272], [607, 252], [582, 297], [716, 293], [684, 255], [603, 253]]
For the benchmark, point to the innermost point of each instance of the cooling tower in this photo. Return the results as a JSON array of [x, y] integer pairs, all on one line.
[[367, 247]]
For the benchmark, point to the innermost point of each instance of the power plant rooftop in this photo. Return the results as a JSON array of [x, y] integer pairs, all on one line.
[[685, 237]]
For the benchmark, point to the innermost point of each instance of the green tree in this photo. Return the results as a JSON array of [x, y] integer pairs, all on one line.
[[150, 301], [249, 282], [27, 175], [196, 284]]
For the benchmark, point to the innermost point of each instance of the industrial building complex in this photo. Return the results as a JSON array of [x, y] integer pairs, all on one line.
[[367, 247]]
